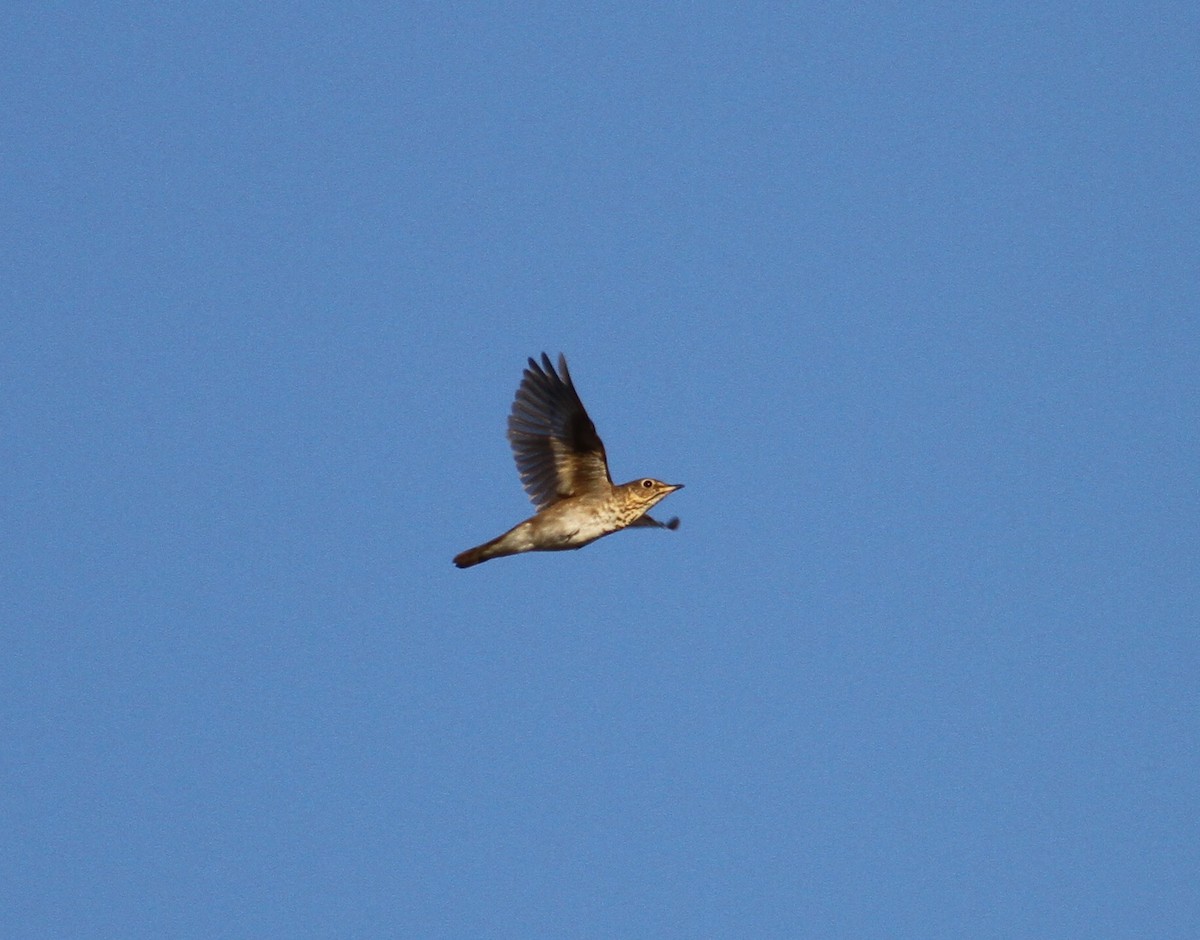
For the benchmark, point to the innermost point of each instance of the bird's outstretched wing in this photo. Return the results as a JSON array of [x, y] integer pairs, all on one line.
[[554, 441], [646, 520]]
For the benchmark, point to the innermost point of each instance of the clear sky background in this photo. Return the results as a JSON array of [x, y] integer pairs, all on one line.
[[906, 294]]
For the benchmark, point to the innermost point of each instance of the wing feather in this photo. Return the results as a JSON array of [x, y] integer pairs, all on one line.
[[557, 450]]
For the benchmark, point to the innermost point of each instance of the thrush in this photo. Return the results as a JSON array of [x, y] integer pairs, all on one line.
[[563, 468]]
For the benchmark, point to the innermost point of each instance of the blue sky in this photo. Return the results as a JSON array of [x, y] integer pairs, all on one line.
[[907, 296]]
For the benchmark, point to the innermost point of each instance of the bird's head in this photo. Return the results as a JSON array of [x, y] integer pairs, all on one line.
[[645, 493]]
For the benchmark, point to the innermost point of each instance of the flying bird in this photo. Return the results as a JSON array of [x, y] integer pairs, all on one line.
[[562, 465]]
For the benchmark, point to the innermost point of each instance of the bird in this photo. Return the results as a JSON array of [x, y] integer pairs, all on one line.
[[561, 461]]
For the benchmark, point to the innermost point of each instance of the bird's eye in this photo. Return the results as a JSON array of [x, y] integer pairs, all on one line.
[[647, 483]]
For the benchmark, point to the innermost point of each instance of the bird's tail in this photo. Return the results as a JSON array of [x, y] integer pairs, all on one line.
[[481, 553]]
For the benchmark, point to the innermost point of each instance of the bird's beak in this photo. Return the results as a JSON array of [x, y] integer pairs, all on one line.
[[675, 486]]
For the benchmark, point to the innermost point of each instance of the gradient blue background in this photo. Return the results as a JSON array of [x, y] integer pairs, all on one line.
[[906, 294]]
